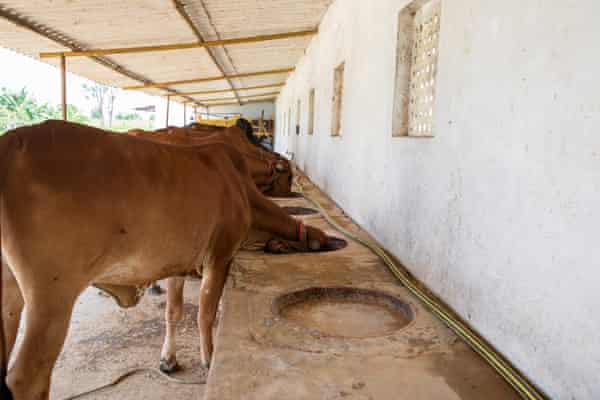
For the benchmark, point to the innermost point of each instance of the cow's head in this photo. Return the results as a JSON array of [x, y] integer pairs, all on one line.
[[281, 179], [278, 169]]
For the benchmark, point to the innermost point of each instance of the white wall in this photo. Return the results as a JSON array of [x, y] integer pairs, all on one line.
[[176, 114], [499, 213], [248, 111]]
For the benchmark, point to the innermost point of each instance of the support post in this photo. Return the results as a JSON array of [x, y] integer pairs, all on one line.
[[184, 114], [168, 104], [63, 86]]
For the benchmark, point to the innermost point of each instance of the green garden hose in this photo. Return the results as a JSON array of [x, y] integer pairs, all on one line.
[[519, 382]]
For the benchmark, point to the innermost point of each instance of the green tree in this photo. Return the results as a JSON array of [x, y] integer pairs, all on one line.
[[103, 99], [73, 115], [128, 117], [20, 108]]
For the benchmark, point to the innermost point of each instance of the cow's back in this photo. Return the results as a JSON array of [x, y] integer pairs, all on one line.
[[101, 201]]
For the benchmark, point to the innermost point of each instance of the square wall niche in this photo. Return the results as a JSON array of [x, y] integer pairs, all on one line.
[[338, 93]]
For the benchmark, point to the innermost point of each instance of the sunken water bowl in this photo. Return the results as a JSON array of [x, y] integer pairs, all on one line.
[[293, 210], [344, 312]]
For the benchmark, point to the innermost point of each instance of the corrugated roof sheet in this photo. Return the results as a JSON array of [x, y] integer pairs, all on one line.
[[92, 24]]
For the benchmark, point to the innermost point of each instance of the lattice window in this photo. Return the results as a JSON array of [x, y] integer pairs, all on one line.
[[416, 71]]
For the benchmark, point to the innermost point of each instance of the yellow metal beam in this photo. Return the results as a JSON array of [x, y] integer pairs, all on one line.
[[212, 78], [226, 90], [208, 101], [180, 46]]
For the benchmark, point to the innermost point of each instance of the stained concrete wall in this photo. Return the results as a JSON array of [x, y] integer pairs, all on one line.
[[499, 213]]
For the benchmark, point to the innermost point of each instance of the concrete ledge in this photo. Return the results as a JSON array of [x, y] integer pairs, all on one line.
[[260, 356]]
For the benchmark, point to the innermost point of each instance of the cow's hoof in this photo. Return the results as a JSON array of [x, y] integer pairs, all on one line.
[[155, 290], [169, 366]]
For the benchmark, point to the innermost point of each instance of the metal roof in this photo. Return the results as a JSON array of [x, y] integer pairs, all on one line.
[[36, 26]]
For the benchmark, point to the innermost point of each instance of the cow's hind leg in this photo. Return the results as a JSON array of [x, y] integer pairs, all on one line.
[[48, 315], [12, 306], [214, 275], [173, 314]]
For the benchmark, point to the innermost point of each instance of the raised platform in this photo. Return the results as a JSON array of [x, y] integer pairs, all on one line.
[[262, 355]]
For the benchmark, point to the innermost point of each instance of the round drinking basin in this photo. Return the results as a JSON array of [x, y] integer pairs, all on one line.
[[344, 312], [280, 246], [293, 210]]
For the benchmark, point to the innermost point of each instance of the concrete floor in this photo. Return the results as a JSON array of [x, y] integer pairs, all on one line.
[[259, 355], [105, 341]]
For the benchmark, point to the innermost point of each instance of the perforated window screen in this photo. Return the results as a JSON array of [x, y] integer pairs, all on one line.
[[423, 71], [416, 70]]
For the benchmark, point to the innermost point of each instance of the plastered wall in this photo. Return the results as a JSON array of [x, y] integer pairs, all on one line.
[[248, 111], [499, 214]]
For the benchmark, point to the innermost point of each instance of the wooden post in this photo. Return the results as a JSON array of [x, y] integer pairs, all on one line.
[[168, 104], [63, 87], [184, 114]]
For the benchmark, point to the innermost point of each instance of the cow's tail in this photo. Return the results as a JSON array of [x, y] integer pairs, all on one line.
[[5, 142]]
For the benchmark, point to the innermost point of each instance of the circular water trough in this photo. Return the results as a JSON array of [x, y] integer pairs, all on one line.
[[290, 195], [344, 312], [292, 210], [280, 246]]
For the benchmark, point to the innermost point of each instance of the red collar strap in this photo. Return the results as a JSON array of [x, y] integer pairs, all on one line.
[[301, 232]]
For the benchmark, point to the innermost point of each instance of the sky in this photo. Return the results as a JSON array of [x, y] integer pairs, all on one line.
[[43, 82]]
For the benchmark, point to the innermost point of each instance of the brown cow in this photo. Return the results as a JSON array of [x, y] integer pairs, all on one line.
[[81, 206], [271, 172]]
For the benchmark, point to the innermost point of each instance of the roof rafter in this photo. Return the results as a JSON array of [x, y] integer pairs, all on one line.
[[180, 7], [180, 46], [252, 96], [66, 41], [267, 100], [212, 78], [280, 84]]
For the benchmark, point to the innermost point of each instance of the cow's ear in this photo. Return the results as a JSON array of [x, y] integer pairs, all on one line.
[[245, 125]]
